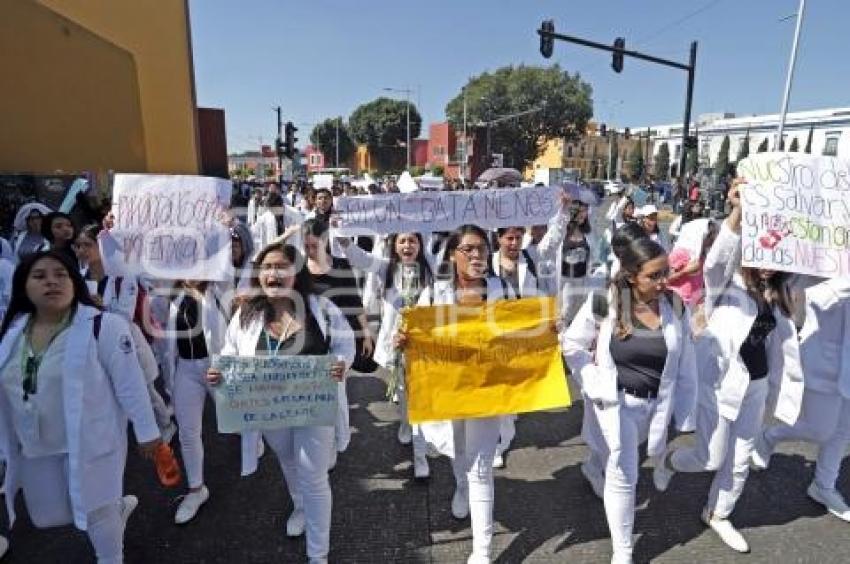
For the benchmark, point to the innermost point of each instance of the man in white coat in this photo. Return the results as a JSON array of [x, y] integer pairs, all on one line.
[[825, 415]]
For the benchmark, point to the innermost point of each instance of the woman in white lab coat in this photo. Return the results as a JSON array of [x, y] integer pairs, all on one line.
[[632, 355], [406, 271], [749, 359], [70, 380], [825, 415], [286, 317], [470, 443]]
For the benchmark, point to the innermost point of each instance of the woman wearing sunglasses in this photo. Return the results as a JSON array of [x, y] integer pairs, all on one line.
[[70, 379], [632, 355], [749, 346]]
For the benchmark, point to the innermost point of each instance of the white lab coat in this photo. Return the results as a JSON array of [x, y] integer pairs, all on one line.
[[731, 312], [824, 349], [547, 255], [528, 283], [7, 271], [239, 341], [102, 387], [596, 373], [264, 230], [442, 434]]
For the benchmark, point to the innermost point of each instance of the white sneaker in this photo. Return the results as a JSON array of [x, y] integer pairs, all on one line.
[[4, 546], [596, 481], [760, 455], [169, 432], [460, 503], [190, 505], [421, 470], [129, 503], [831, 499], [499, 460], [296, 523], [727, 533], [476, 558], [405, 433], [663, 472]]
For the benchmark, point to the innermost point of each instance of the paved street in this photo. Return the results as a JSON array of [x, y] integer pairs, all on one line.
[[545, 512]]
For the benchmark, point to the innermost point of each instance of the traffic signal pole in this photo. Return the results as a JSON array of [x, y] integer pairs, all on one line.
[[547, 35], [278, 148]]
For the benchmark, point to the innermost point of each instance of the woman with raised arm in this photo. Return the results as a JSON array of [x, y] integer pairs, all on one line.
[[285, 317], [70, 381]]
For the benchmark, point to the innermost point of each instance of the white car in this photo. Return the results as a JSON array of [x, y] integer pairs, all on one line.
[[613, 187]]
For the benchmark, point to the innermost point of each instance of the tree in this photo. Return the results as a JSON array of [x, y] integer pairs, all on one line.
[[563, 102], [722, 165], [636, 164], [324, 137], [661, 167], [744, 149], [382, 125], [612, 163], [692, 161], [762, 146], [808, 149], [795, 146]]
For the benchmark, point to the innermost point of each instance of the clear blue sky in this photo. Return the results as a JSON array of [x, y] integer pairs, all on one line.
[[322, 58]]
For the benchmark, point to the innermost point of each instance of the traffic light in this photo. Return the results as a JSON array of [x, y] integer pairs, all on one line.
[[617, 62], [627, 133], [603, 130], [290, 140], [690, 142], [278, 145], [547, 42]]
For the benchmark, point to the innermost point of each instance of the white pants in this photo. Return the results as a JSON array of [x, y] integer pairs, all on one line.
[[190, 394], [621, 469], [507, 432], [475, 443], [44, 481], [597, 457], [573, 295], [420, 445], [824, 420], [725, 446], [304, 457]]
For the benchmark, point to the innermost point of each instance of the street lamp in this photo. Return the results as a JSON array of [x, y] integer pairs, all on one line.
[[789, 78], [407, 92]]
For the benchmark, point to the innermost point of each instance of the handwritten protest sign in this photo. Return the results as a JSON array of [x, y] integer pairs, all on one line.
[[168, 227], [497, 359], [272, 392], [443, 211], [796, 213]]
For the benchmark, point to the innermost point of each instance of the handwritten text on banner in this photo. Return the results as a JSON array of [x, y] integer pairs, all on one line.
[[272, 392], [497, 359], [796, 213], [168, 227], [444, 211]]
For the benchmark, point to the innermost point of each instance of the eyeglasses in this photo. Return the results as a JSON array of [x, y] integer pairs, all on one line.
[[470, 250]]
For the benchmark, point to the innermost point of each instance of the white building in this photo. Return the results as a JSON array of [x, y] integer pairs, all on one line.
[[830, 130]]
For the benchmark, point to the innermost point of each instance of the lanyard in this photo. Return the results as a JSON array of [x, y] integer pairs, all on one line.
[[279, 341], [30, 361]]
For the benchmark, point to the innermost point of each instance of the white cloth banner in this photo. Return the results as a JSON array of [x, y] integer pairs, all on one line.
[[168, 227], [796, 213], [443, 211]]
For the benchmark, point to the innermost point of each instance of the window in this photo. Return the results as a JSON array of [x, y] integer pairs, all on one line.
[[569, 151], [830, 147], [315, 159]]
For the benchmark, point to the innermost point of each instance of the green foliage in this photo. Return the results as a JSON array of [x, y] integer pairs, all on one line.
[[744, 149], [661, 168], [324, 137], [636, 164], [565, 101], [417, 170], [808, 149], [692, 161], [612, 164], [437, 170], [762, 148], [722, 165], [795, 146], [382, 125]]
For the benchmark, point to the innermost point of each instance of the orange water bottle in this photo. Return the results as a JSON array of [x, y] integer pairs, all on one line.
[[167, 468]]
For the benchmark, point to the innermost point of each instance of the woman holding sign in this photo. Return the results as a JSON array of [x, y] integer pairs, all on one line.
[[750, 353], [631, 353], [285, 317], [69, 382], [471, 443]]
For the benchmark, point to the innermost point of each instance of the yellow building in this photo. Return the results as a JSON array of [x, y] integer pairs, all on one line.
[[97, 85]]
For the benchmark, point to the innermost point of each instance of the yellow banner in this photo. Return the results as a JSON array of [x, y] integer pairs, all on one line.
[[496, 359]]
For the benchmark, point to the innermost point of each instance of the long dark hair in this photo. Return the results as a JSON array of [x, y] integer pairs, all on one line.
[[318, 228], [454, 242], [47, 226], [258, 303], [632, 258], [21, 304], [425, 274], [573, 225], [625, 235], [775, 287]]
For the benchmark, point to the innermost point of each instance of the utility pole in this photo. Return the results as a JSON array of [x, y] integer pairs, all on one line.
[[337, 141], [790, 77], [278, 148], [464, 158]]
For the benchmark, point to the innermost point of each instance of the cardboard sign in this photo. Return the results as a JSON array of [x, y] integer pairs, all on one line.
[[497, 359], [168, 227], [796, 213], [272, 392]]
